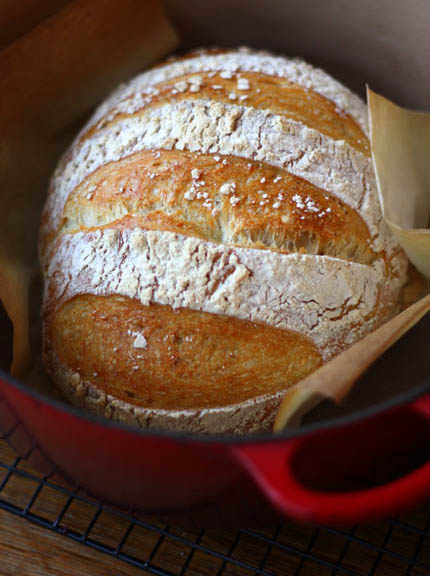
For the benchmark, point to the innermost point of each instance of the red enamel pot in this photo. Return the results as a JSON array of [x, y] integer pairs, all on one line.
[[369, 462], [364, 465]]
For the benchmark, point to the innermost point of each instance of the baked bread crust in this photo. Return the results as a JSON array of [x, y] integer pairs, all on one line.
[[253, 415], [230, 194]]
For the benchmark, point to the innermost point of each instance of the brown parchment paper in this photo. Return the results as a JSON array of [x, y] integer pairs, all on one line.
[[400, 140], [50, 79], [335, 379], [17, 17]]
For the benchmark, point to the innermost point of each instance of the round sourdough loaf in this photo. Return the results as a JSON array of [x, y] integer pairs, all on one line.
[[212, 236]]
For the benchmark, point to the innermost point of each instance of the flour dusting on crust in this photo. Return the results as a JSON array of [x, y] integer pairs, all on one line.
[[206, 126], [322, 297], [128, 97]]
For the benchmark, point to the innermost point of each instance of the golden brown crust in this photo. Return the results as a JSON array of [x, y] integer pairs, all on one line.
[[149, 190], [254, 415], [247, 417], [154, 356], [276, 95]]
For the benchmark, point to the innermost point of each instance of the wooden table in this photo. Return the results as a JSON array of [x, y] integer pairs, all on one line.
[[26, 550], [30, 550]]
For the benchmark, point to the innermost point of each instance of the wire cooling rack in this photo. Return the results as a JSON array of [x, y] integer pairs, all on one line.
[[398, 547]]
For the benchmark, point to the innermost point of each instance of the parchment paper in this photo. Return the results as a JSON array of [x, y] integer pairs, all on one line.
[[400, 141]]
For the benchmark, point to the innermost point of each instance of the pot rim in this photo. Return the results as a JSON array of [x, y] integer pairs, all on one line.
[[397, 400]]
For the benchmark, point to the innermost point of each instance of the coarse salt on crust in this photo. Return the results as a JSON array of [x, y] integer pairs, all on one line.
[[139, 340], [126, 98], [208, 126], [319, 296], [227, 188], [243, 84]]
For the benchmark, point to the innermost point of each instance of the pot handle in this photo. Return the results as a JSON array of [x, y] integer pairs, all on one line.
[[350, 473]]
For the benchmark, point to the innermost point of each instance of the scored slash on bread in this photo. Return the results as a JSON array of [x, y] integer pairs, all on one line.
[[148, 188], [229, 192]]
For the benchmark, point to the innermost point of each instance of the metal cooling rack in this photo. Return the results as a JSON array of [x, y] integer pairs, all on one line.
[[398, 547]]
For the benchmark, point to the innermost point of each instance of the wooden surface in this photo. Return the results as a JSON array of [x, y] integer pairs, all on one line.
[[29, 550]]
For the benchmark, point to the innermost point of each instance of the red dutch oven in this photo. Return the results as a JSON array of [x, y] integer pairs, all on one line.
[[364, 465], [369, 462]]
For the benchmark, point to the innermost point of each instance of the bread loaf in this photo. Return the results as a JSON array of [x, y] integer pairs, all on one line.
[[211, 237]]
